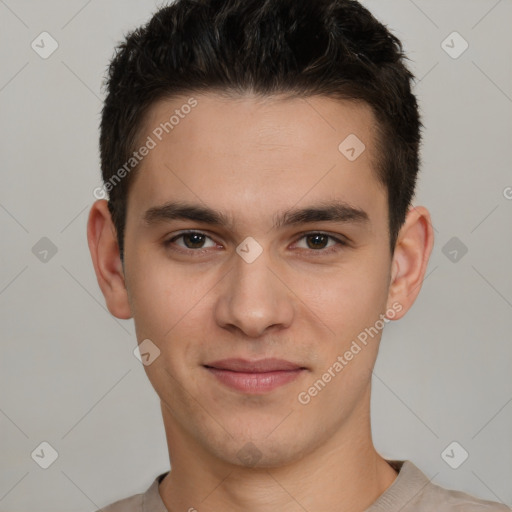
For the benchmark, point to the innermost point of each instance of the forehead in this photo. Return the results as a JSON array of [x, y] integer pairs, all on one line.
[[294, 123], [258, 152]]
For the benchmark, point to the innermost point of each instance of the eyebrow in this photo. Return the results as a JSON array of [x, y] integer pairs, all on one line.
[[328, 211]]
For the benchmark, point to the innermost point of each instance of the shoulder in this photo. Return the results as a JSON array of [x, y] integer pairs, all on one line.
[[413, 491], [441, 499], [149, 501], [448, 500]]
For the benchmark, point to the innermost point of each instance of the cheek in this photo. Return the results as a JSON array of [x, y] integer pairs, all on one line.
[[161, 294], [170, 309], [348, 298], [156, 306]]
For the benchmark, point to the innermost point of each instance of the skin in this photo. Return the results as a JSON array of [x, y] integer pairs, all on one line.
[[252, 158]]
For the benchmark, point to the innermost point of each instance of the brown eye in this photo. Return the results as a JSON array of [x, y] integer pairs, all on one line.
[[321, 243], [317, 241], [191, 240]]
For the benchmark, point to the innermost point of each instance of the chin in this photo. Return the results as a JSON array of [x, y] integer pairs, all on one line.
[[260, 452]]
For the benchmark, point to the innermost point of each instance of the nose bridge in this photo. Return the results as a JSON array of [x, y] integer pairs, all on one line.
[[254, 298]]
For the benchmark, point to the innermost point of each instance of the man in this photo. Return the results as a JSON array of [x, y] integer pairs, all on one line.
[[260, 159]]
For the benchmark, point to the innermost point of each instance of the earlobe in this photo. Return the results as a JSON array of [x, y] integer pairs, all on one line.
[[410, 260], [104, 249]]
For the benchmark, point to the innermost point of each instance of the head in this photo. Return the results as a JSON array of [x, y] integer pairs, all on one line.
[[285, 134]]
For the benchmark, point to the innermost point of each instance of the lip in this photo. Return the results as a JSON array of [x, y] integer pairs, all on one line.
[[260, 366], [254, 377]]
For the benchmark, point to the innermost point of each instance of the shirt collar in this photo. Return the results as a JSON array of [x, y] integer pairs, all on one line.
[[409, 482]]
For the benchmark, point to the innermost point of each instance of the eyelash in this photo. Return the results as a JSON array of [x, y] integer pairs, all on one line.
[[340, 242]]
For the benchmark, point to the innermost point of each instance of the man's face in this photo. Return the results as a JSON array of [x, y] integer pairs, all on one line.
[[291, 291]]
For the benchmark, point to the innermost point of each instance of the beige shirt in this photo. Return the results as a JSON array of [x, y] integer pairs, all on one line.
[[411, 491]]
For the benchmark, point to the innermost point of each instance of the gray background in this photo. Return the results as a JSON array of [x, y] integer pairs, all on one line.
[[68, 375]]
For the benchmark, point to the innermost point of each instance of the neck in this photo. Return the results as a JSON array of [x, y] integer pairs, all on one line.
[[344, 474]]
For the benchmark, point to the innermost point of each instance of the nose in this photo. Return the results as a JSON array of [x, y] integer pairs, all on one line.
[[254, 298]]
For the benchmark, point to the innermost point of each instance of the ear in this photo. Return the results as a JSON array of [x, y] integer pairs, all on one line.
[[101, 236], [412, 252]]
